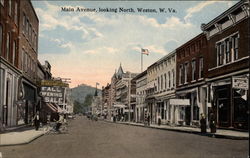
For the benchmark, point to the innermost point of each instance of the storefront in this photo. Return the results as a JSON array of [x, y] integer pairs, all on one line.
[[230, 102]]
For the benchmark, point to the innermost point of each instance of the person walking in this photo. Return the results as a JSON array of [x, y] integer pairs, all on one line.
[[203, 124], [59, 122], [148, 119], [212, 123], [36, 121]]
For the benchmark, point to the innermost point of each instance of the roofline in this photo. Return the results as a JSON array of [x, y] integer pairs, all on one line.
[[140, 75], [164, 57], [222, 15], [190, 41], [34, 11]]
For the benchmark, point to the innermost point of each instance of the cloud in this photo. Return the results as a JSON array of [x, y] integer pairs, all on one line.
[[200, 6]]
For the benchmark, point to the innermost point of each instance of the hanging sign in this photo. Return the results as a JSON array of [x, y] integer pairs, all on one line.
[[240, 83]]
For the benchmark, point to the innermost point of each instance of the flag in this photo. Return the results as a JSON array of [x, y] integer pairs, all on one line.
[[145, 51]]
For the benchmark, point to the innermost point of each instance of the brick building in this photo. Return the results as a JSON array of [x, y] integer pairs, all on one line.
[[228, 65], [9, 63], [190, 77], [28, 50]]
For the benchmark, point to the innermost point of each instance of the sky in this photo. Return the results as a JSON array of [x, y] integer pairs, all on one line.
[[88, 47]]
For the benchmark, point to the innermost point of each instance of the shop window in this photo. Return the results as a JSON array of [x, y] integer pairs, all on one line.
[[240, 105], [195, 110]]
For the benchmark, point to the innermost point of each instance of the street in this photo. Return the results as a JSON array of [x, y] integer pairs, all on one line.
[[99, 139]]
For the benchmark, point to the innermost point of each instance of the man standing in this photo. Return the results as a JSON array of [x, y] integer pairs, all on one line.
[[37, 121]]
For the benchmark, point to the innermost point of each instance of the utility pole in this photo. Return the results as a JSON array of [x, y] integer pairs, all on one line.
[[129, 97]]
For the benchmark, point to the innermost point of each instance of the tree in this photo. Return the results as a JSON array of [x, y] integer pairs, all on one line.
[[77, 107], [88, 100]]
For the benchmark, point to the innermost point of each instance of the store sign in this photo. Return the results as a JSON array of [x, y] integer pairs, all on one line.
[[240, 83], [52, 94], [53, 83], [182, 102]]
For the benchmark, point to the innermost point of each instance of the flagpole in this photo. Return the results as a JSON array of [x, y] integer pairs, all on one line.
[[141, 61]]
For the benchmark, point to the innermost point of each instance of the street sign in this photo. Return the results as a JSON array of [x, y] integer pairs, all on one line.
[[54, 83], [240, 83]]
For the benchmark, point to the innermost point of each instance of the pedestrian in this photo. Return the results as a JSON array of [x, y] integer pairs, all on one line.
[[148, 119], [36, 121], [59, 122], [212, 123], [203, 125]]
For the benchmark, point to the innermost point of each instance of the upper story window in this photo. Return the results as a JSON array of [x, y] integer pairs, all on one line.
[[201, 67], [193, 70], [186, 72], [2, 2], [227, 49], [180, 74], [10, 7], [173, 77], [161, 82], [169, 79], [14, 53], [15, 16], [7, 46], [1, 38], [165, 78]]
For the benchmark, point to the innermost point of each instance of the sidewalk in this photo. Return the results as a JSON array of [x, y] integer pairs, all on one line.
[[23, 136], [220, 133]]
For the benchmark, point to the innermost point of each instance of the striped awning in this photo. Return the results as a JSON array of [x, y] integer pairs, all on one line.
[[52, 107]]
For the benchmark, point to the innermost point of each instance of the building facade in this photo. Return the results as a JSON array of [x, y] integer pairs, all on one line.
[[28, 50], [106, 101], [228, 66], [9, 64], [161, 78], [191, 74], [141, 85]]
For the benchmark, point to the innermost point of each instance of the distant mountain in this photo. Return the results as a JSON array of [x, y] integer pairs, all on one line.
[[81, 91]]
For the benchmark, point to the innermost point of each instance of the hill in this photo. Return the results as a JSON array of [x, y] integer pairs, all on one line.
[[81, 91]]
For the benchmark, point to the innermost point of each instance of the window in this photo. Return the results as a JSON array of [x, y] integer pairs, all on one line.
[[27, 27], [180, 74], [24, 20], [169, 80], [186, 73], [10, 7], [165, 77], [29, 33], [2, 2], [161, 82], [15, 16], [235, 46], [158, 84], [23, 59], [173, 77], [14, 53], [1, 38], [201, 68], [7, 46], [193, 70], [228, 50]]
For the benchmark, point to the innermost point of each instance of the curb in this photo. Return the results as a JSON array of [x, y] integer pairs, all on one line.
[[25, 142], [213, 135]]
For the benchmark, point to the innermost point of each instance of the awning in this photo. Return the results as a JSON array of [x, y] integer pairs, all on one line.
[[182, 102], [119, 106], [52, 107]]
